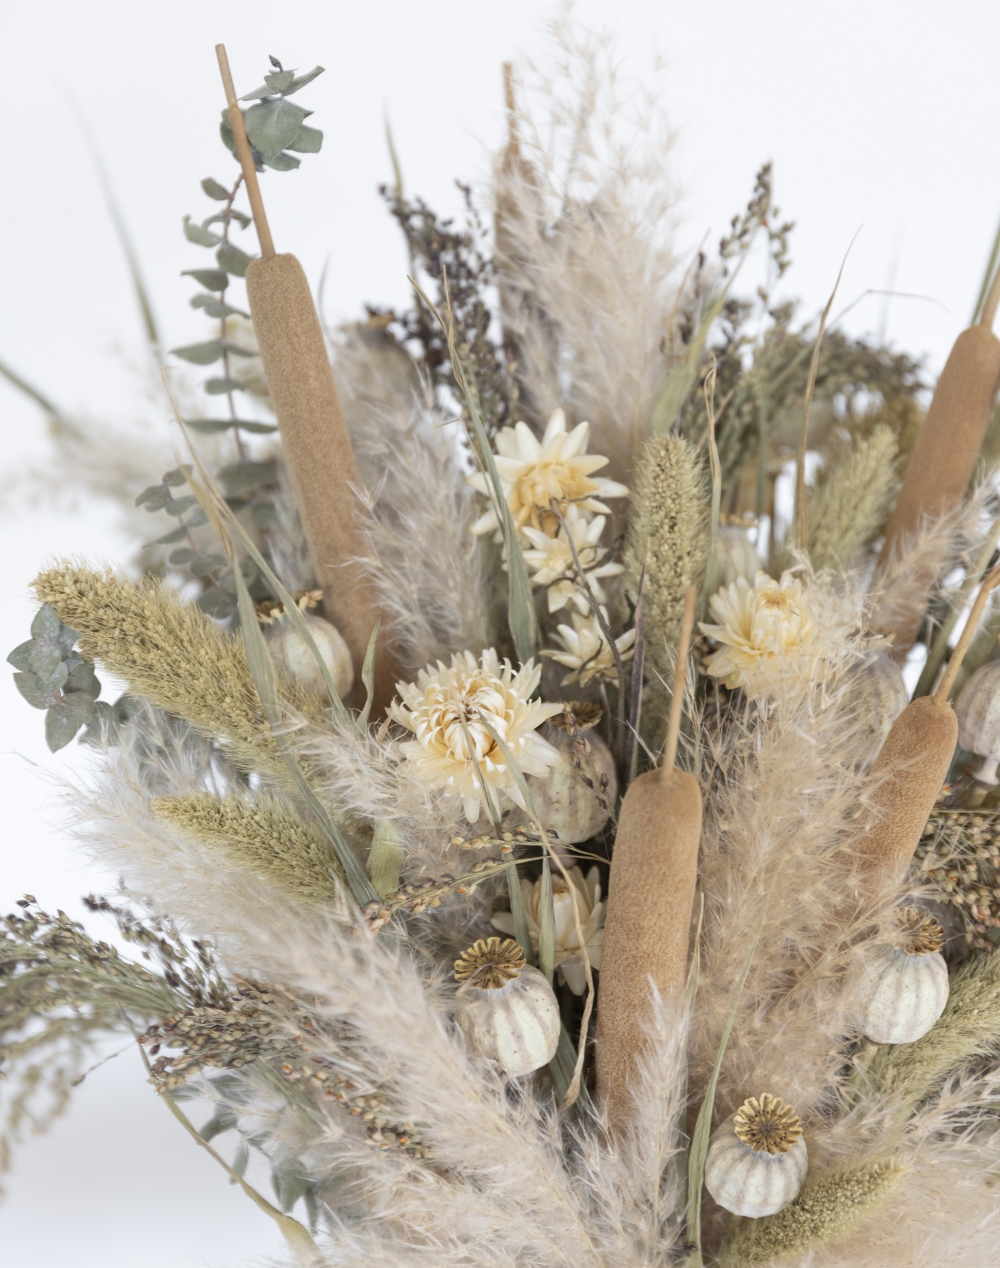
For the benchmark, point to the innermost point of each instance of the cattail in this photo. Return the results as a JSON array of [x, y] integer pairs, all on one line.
[[912, 765], [651, 891], [948, 445], [314, 435]]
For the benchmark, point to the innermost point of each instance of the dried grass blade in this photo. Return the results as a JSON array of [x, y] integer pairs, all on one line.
[[703, 1125], [712, 566], [546, 925], [294, 1233], [520, 606], [385, 859], [635, 681], [262, 670], [368, 677]]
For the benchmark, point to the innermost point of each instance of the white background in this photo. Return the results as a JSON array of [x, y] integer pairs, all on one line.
[[879, 115]]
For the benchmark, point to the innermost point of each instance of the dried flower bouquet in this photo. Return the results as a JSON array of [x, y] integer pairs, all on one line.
[[535, 851]]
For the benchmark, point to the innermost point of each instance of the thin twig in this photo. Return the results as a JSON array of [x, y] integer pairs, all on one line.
[[245, 156], [958, 655], [680, 675]]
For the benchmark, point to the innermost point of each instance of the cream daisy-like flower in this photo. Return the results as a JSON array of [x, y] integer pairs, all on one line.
[[568, 959], [550, 560], [535, 474], [766, 629], [450, 707], [587, 654]]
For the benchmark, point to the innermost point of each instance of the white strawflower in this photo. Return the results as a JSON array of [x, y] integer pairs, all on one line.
[[550, 560], [767, 629], [535, 474], [446, 709], [587, 654], [569, 959]]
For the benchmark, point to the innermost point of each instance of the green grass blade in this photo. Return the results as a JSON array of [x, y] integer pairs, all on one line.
[[546, 925], [521, 615]]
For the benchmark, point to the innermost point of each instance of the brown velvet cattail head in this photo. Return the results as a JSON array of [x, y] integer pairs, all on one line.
[[648, 925], [908, 774], [946, 451], [319, 455]]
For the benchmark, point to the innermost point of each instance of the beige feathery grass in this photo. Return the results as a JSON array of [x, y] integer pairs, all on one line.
[[172, 655], [968, 1028], [669, 530], [262, 836], [849, 506], [827, 1209]]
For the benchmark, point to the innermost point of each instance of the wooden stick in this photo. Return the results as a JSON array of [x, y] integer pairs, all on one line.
[[958, 655], [680, 677], [991, 303], [245, 156]]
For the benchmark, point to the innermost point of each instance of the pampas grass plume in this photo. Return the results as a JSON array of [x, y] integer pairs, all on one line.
[[261, 836]]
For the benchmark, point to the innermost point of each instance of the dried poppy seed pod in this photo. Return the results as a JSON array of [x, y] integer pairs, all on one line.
[[906, 989], [875, 696], [978, 711], [757, 1159], [293, 654], [507, 1009], [574, 801]]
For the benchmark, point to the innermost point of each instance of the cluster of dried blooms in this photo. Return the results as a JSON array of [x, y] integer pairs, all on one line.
[[489, 974]]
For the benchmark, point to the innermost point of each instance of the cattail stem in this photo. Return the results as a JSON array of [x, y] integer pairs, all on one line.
[[958, 655], [991, 303], [680, 677], [245, 156]]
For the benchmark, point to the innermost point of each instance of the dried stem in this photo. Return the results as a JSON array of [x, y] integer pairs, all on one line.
[[680, 674], [246, 158], [991, 303], [958, 655]]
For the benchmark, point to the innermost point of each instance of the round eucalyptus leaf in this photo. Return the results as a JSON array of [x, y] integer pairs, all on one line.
[[48, 667], [214, 190], [232, 259], [20, 656], [32, 692], [46, 624], [66, 717], [307, 141], [219, 387], [199, 235], [271, 125], [283, 162], [200, 353], [82, 678]]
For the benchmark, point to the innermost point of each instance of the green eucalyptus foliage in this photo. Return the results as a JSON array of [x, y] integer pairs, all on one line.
[[54, 677]]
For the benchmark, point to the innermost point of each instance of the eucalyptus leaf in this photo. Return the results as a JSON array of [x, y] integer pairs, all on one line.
[[182, 556], [200, 353], [67, 638], [175, 535], [290, 1182], [177, 506], [206, 564], [273, 124], [214, 190], [200, 236], [211, 279], [300, 81], [46, 625], [223, 1120], [282, 162], [265, 516], [257, 429], [32, 692], [155, 498], [196, 520], [66, 717], [241, 1160], [208, 426], [178, 476], [307, 141], [238, 477], [82, 678], [48, 668], [221, 387], [20, 656], [232, 259], [278, 81], [104, 728], [213, 602], [237, 350], [216, 307]]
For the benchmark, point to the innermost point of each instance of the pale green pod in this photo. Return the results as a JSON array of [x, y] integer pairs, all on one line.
[[757, 1159], [566, 804], [903, 995], [293, 654]]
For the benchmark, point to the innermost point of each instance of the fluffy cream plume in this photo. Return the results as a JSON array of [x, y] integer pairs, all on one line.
[[430, 579], [668, 529], [771, 845], [583, 245], [851, 503]]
